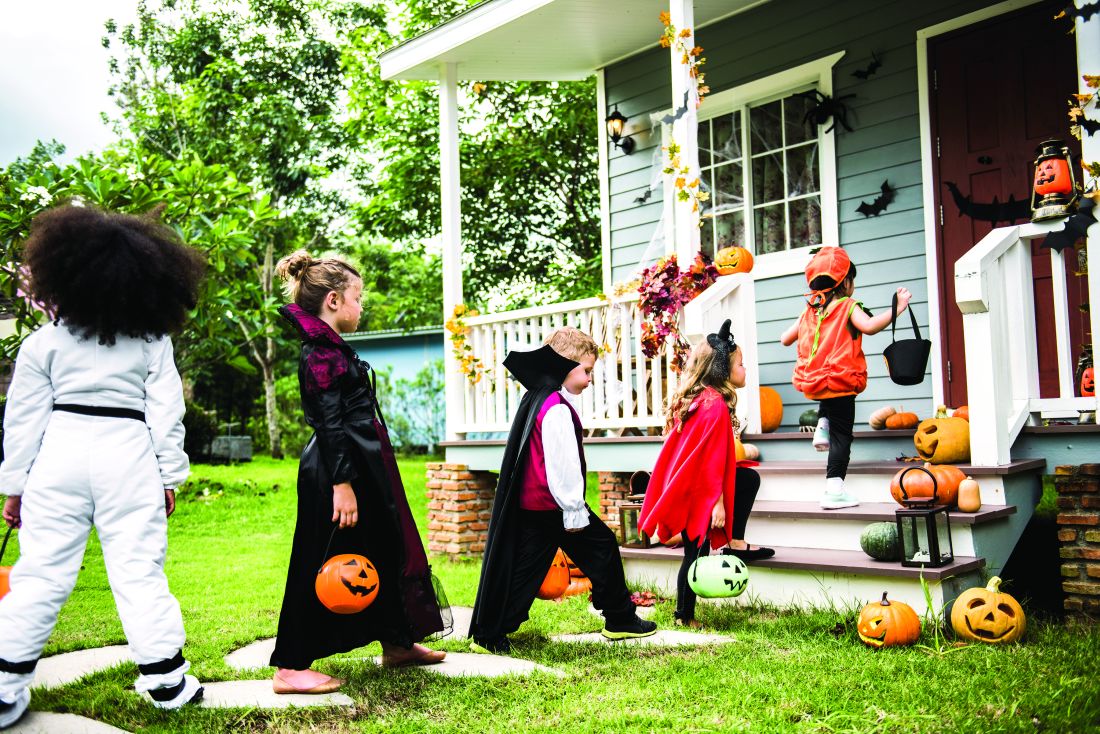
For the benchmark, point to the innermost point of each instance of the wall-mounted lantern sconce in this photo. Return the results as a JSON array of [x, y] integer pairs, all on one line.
[[616, 123]]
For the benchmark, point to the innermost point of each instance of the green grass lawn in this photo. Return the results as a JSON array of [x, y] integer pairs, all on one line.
[[787, 671]]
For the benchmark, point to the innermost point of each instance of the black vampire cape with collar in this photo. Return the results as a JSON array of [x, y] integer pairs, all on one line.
[[542, 372]]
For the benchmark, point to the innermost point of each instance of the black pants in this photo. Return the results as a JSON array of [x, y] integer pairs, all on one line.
[[841, 413], [595, 550], [748, 484]]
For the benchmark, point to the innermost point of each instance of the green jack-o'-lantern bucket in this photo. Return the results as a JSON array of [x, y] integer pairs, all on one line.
[[712, 577]]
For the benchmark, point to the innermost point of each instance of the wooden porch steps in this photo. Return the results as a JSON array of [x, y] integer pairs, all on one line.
[[868, 512]]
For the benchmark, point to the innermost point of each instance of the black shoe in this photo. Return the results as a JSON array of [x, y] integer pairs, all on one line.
[[636, 627], [749, 554], [498, 646]]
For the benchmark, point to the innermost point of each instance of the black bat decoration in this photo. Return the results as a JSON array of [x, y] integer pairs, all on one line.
[[878, 206], [876, 62], [993, 212], [644, 197], [1089, 126], [680, 111], [826, 108], [1085, 12], [1076, 227]]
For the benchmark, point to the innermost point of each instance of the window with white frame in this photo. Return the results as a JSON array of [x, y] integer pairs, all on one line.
[[770, 174]]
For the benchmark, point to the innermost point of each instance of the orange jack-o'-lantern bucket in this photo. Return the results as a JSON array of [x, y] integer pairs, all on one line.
[[346, 583]]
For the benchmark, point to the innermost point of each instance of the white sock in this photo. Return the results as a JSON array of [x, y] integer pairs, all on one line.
[[834, 485]]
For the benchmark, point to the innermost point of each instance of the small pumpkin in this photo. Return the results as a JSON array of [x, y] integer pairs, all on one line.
[[808, 418], [963, 411], [878, 418], [747, 452], [902, 421], [888, 623], [988, 615], [771, 409], [347, 583], [970, 497], [578, 585], [1088, 383], [880, 541], [923, 481], [557, 578], [730, 260], [943, 440]]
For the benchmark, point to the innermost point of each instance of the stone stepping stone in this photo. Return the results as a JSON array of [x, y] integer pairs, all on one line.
[[58, 670], [668, 638], [462, 616], [258, 694], [470, 664], [41, 722], [252, 656]]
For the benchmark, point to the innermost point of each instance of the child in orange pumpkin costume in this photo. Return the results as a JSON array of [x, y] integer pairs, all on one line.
[[831, 367]]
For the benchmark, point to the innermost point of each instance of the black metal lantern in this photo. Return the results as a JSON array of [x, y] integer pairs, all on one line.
[[616, 124], [630, 535], [924, 527], [1055, 189]]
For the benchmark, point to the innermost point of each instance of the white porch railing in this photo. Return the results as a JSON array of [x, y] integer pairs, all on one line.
[[629, 390], [994, 291]]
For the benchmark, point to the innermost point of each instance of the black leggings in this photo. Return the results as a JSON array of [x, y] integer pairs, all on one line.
[[841, 413], [748, 484]]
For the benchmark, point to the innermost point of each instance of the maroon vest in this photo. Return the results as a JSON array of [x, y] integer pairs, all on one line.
[[534, 489]]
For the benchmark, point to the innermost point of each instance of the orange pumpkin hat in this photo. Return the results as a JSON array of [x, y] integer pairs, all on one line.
[[832, 262]]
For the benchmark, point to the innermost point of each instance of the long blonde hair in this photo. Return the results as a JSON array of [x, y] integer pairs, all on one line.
[[693, 380]]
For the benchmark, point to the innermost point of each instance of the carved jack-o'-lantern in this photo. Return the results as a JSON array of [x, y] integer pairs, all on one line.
[[347, 583], [557, 578], [1088, 383], [988, 615], [888, 623], [943, 440], [713, 577], [730, 260]]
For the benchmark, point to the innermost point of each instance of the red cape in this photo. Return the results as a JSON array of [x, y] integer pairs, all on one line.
[[697, 465]]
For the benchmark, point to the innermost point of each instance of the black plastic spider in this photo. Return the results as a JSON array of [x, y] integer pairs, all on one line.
[[825, 107]]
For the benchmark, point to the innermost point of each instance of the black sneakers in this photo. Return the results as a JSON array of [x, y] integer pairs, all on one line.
[[636, 627], [499, 646]]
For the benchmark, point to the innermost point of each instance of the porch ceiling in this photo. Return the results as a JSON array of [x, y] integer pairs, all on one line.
[[547, 40]]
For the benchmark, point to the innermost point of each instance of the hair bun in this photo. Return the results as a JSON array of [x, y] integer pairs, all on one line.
[[293, 265]]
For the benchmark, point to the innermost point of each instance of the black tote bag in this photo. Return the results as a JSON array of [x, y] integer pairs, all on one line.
[[907, 359]]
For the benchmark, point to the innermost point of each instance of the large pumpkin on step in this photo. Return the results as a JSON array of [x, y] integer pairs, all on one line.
[[888, 623], [347, 583], [988, 615], [918, 483], [943, 440], [557, 578], [771, 409]]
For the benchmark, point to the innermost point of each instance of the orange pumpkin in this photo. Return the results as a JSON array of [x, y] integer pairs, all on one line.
[[902, 421], [5, 586], [1052, 177], [579, 585], [557, 578], [747, 452], [943, 440], [918, 483], [888, 623], [730, 260], [988, 615], [771, 410], [574, 572], [1088, 383], [963, 411], [347, 583]]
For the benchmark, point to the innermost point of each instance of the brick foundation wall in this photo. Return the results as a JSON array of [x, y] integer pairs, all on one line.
[[614, 488], [1079, 536], [459, 504]]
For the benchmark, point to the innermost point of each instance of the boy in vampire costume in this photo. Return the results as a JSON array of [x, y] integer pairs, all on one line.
[[539, 504]]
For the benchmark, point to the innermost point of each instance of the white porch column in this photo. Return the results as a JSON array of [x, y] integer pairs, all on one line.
[[1088, 62], [450, 195], [685, 132]]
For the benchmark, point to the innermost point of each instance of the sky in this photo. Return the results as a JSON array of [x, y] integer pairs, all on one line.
[[53, 73]]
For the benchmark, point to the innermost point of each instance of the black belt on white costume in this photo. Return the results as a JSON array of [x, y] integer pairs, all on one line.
[[101, 411]]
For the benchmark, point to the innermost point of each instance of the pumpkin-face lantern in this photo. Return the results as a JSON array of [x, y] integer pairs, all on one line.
[[730, 260], [888, 623], [1052, 177], [1088, 383], [771, 409], [988, 615], [557, 578], [712, 577], [347, 583], [943, 440]]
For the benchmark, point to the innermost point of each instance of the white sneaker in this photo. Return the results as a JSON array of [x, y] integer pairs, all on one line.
[[821, 435], [837, 500], [12, 712], [189, 690]]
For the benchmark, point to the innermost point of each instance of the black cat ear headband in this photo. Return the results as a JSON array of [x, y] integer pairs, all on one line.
[[723, 345]]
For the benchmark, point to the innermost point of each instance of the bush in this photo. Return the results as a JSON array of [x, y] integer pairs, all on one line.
[[414, 409], [293, 429], [201, 427]]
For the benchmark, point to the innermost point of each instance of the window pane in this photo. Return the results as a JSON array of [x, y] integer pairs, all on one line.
[[731, 229], [802, 177], [727, 137], [765, 131], [805, 222], [767, 178], [704, 143], [706, 179], [795, 109], [728, 187], [706, 237], [770, 229]]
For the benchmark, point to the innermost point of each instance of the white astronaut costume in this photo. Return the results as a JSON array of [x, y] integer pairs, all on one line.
[[78, 451]]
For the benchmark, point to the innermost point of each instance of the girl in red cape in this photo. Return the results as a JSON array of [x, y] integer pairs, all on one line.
[[698, 487]]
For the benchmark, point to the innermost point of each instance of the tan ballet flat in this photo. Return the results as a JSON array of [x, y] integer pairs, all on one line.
[[431, 657], [281, 686]]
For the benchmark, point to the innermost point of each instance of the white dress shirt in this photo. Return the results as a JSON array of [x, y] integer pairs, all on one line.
[[563, 461]]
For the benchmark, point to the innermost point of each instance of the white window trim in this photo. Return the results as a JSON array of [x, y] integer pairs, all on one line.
[[818, 73]]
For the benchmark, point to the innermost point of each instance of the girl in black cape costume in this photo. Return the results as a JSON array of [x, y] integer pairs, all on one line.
[[350, 445]]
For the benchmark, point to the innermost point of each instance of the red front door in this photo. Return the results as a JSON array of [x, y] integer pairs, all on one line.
[[999, 89]]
